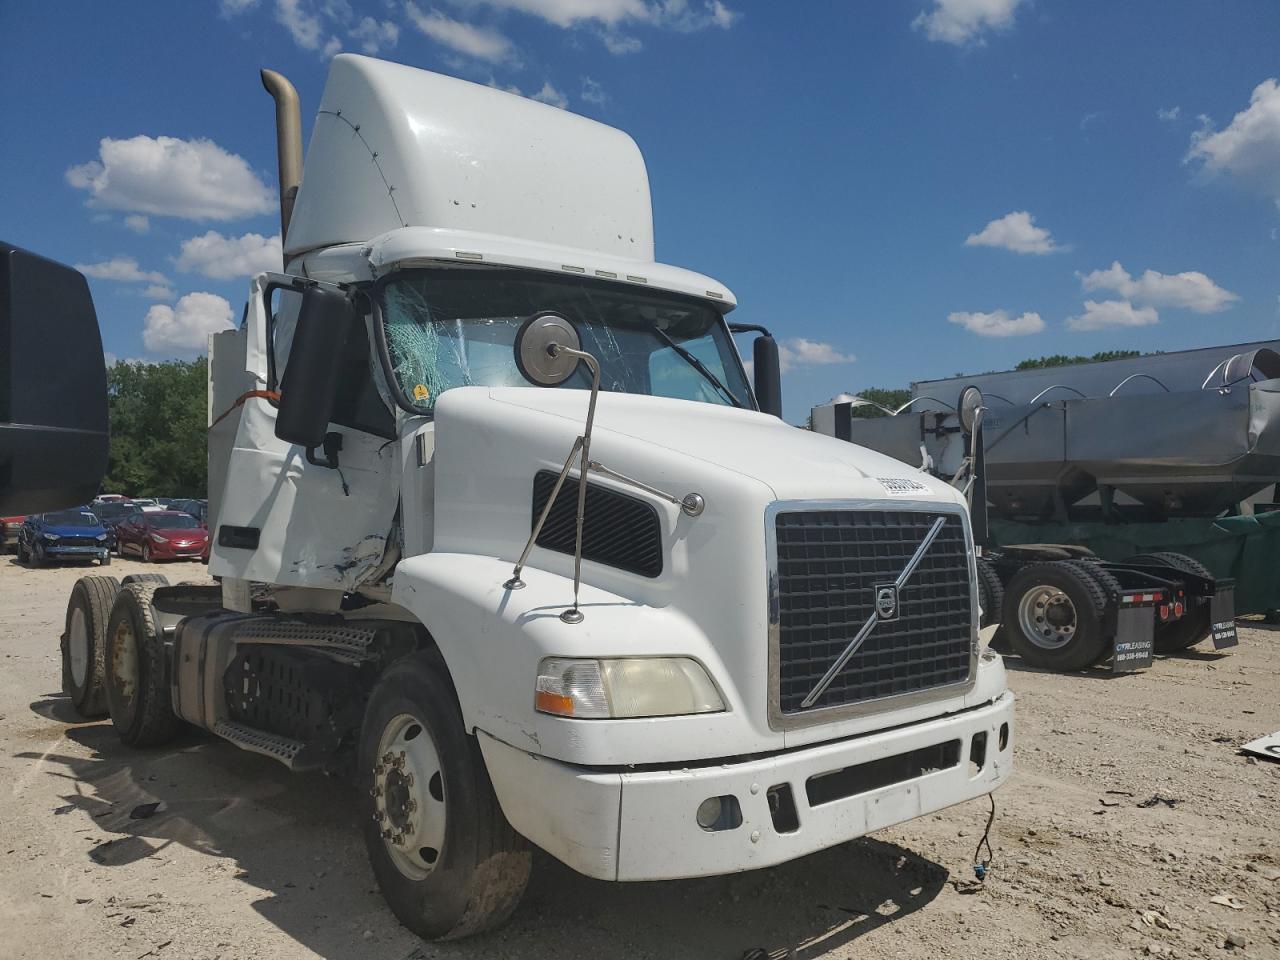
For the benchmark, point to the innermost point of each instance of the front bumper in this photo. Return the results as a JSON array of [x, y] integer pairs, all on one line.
[[173, 551], [640, 825], [52, 551]]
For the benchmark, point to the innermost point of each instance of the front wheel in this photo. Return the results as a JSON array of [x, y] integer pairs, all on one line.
[[146, 553], [447, 861]]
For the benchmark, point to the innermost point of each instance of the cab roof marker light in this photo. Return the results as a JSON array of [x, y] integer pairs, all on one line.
[[464, 255], [607, 274], [635, 279], [572, 269], [714, 295]]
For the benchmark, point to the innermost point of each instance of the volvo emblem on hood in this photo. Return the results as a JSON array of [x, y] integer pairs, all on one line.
[[887, 601]]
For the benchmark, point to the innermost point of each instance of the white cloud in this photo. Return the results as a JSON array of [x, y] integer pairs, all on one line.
[[137, 223], [185, 327], [618, 43], [332, 48], [802, 352], [998, 323], [228, 258], [961, 22], [168, 177], [1015, 231], [1248, 147], [375, 36], [1168, 114], [676, 14], [1191, 290], [550, 95], [158, 291], [1112, 313], [303, 26], [593, 92], [122, 269], [483, 43], [232, 8]]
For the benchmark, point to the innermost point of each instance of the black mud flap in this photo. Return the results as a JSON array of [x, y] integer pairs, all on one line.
[[1222, 618], [1135, 639]]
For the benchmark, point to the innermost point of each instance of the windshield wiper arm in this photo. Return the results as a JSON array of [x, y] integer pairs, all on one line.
[[697, 364]]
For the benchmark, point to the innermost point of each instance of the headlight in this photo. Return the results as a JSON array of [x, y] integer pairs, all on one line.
[[158, 539], [630, 687], [101, 536], [50, 536]]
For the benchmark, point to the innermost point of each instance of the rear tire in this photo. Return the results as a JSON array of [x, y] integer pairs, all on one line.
[[137, 681], [1053, 616], [448, 862], [84, 644], [157, 578], [1194, 625], [990, 593], [1111, 589]]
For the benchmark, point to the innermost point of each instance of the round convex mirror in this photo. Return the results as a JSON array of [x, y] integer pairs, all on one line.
[[969, 405], [537, 358]]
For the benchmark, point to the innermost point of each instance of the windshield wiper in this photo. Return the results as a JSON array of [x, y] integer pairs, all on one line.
[[697, 364]]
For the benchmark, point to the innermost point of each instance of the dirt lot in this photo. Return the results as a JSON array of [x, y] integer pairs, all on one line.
[[247, 860]]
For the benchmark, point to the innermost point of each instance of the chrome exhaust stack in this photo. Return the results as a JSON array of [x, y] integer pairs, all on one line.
[[288, 143]]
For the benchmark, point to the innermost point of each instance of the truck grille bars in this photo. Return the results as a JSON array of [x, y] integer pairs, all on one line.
[[870, 604]]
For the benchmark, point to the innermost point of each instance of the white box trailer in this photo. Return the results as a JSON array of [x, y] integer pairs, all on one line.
[[503, 531]]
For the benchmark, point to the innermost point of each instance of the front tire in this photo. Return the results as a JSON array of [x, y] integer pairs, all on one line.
[[1053, 616], [84, 643], [146, 553], [447, 861], [137, 681]]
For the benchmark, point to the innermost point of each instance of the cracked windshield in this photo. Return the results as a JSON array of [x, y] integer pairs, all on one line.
[[456, 326]]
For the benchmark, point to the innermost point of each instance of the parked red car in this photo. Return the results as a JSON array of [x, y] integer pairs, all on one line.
[[162, 535], [9, 527]]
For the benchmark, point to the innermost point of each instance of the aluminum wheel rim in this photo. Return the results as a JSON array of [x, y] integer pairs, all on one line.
[[408, 796], [1047, 617], [78, 646]]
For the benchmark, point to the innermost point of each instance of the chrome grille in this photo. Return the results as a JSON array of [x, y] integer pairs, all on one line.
[[829, 565]]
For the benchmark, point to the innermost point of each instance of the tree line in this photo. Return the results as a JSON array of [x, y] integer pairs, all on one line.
[[158, 413]]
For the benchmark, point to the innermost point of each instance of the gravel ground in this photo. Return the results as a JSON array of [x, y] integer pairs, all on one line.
[[245, 860]]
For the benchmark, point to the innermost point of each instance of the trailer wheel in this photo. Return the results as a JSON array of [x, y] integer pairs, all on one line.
[[1111, 589], [1194, 625], [137, 683], [990, 593], [1053, 616], [84, 642], [447, 861]]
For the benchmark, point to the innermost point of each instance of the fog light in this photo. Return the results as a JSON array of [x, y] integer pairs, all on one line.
[[709, 812]]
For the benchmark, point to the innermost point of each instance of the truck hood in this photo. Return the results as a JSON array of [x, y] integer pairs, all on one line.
[[795, 463]]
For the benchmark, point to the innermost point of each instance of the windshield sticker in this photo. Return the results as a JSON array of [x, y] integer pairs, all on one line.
[[420, 392], [901, 487]]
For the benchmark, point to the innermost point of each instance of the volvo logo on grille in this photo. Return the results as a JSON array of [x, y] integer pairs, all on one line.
[[887, 602]]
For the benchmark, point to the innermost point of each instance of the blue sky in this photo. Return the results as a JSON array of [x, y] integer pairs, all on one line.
[[900, 190]]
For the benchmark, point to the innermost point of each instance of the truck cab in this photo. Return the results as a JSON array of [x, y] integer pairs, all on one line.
[[632, 618]]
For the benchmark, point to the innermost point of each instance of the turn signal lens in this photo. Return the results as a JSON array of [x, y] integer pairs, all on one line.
[[625, 688]]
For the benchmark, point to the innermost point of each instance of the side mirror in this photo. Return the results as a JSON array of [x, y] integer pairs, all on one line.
[[53, 386], [766, 366], [537, 347], [309, 387]]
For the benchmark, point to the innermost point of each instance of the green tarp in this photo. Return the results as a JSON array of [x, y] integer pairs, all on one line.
[[1246, 549]]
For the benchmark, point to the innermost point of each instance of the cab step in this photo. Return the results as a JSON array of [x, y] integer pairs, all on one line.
[[289, 752]]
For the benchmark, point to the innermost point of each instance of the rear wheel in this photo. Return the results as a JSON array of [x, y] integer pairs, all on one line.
[[137, 683], [447, 861], [1194, 625], [84, 644], [1053, 616], [1111, 589], [990, 593], [157, 578]]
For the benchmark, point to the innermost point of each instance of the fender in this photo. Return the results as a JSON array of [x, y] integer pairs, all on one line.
[[493, 639]]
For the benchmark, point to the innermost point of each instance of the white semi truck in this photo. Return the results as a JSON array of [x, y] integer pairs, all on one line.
[[503, 531]]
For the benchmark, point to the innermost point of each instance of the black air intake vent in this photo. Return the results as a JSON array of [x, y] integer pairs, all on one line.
[[618, 530]]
